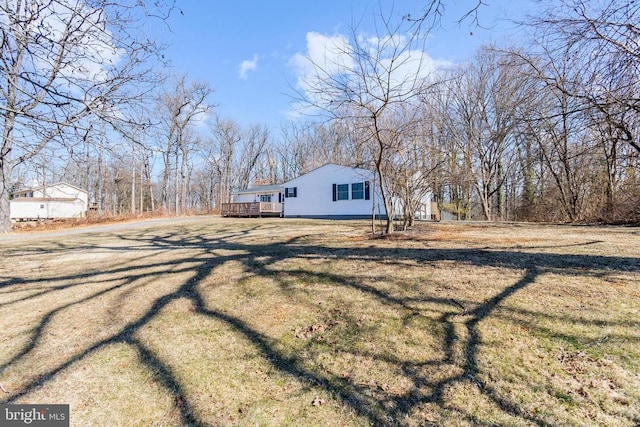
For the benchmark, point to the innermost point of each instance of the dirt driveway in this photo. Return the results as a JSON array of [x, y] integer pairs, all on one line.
[[102, 228]]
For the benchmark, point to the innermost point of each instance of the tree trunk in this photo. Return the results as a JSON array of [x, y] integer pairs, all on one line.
[[483, 195], [500, 192], [141, 205], [183, 177], [150, 184], [164, 198], [133, 181], [5, 216], [388, 207], [6, 166], [176, 187]]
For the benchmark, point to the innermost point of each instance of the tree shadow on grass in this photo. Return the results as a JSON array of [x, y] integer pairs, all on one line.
[[376, 406]]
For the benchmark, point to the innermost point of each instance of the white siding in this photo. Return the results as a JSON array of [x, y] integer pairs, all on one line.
[[246, 197], [424, 212], [44, 209], [53, 201], [314, 194], [254, 197]]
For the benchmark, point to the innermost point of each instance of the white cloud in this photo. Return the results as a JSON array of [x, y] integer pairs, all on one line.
[[330, 54], [332, 59], [246, 66]]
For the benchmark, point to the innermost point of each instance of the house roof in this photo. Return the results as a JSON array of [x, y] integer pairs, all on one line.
[[49, 186], [280, 187], [326, 165], [261, 189], [43, 199]]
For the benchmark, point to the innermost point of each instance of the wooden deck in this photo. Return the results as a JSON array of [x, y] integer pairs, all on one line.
[[255, 209]]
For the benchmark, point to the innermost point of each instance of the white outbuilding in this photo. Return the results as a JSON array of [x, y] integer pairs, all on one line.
[[53, 201]]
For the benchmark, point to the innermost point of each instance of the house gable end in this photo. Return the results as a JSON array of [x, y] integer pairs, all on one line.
[[316, 193]]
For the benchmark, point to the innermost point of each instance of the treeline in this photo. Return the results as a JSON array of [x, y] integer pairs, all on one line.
[[543, 132], [531, 137]]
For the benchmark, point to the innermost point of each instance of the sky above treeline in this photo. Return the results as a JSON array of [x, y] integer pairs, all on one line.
[[248, 50]]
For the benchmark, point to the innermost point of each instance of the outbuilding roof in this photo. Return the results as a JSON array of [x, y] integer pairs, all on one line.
[[42, 187]]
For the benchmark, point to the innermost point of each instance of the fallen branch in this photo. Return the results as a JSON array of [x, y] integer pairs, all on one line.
[[598, 342], [459, 304]]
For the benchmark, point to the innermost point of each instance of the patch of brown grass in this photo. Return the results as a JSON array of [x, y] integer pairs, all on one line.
[[297, 322]]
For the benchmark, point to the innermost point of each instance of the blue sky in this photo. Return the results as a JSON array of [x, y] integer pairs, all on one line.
[[211, 40]]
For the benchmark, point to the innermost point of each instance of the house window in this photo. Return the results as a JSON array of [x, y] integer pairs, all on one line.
[[342, 192], [291, 192], [357, 190], [41, 206], [265, 198]]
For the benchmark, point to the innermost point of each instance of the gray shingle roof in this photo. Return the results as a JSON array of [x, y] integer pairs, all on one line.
[[261, 189]]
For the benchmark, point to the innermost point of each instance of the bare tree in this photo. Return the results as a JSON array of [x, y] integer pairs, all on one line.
[[299, 149], [62, 62], [487, 96], [235, 156], [559, 123], [453, 183], [180, 106], [253, 148], [606, 34], [306, 146], [227, 137], [434, 10], [588, 58], [368, 81]]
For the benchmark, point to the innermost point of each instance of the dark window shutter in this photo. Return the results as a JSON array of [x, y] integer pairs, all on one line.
[[335, 192], [366, 191], [279, 197], [295, 191]]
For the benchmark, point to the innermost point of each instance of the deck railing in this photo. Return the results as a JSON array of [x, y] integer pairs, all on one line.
[[251, 209]]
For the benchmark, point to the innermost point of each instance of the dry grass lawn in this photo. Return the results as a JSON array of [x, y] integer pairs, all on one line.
[[213, 321]]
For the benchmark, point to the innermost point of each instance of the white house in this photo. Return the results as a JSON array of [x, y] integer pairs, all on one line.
[[53, 201], [330, 191]]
